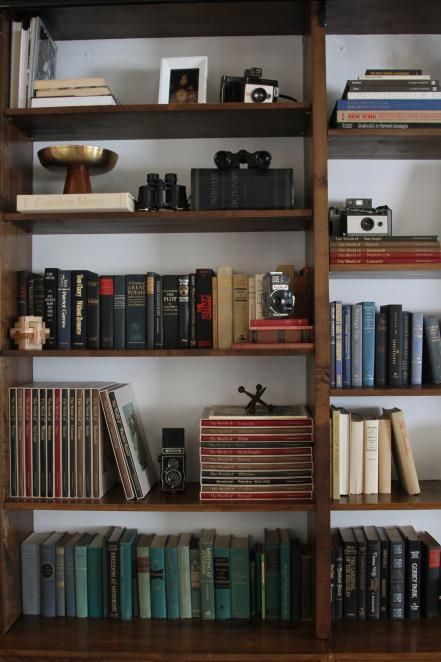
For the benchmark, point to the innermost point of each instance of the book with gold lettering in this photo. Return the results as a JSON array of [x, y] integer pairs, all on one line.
[[75, 202]]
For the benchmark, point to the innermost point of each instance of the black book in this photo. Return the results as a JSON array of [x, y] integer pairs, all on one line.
[[192, 306], [106, 312], [159, 328], [184, 311], [396, 573], [332, 581], [430, 575], [332, 344], [394, 344], [93, 311], [119, 312], [381, 333], [64, 310], [361, 571], [50, 306], [384, 572], [79, 308], [349, 573], [307, 591], [204, 308], [30, 294], [405, 348], [136, 317], [337, 547], [296, 579], [151, 284], [373, 561], [113, 574], [412, 590], [22, 293], [170, 311], [38, 303]]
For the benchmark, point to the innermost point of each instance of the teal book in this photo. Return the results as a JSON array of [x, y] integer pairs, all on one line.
[[272, 574], [240, 577], [69, 574], [206, 545], [95, 577], [195, 578], [171, 577], [60, 574], [258, 552], [285, 575], [81, 575], [143, 574], [125, 573], [183, 551], [253, 591], [221, 564], [30, 573], [157, 577]]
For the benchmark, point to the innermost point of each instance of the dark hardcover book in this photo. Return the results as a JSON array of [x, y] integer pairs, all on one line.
[[136, 311], [43, 450], [119, 313], [69, 574], [384, 572], [30, 287], [151, 280], [192, 306], [87, 443], [432, 340], [296, 579], [159, 329], [204, 308], [332, 581], [113, 577], [412, 590], [361, 571], [170, 311], [430, 574], [35, 427], [184, 311], [307, 572], [72, 443], [332, 344], [79, 309], [65, 442], [93, 311], [346, 349], [271, 548], [349, 573], [381, 334], [405, 347], [394, 344], [64, 310], [106, 312], [22, 293], [337, 547], [373, 560], [38, 303], [396, 573], [50, 306], [237, 188]]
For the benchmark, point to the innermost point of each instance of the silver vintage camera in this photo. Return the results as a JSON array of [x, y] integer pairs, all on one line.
[[172, 460], [358, 217], [277, 297]]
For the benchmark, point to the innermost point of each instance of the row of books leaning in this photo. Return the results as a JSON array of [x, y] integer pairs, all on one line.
[[150, 311], [60, 446], [398, 250], [385, 347], [384, 573], [389, 98], [262, 456], [123, 574], [363, 443]]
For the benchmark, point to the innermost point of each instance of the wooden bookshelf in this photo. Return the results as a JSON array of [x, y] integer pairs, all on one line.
[[428, 270], [302, 349], [384, 143], [429, 499], [393, 391]]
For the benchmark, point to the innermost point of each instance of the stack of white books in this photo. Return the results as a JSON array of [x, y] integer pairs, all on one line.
[[72, 92]]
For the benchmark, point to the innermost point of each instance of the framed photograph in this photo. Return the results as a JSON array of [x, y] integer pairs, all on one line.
[[183, 80]]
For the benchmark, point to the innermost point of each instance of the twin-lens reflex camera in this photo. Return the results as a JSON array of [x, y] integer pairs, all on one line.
[[172, 460]]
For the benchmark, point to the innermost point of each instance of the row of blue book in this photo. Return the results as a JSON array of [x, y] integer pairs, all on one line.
[[122, 574], [385, 347]]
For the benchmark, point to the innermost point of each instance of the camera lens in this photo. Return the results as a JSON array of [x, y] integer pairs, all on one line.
[[259, 95], [172, 478], [173, 463], [367, 224]]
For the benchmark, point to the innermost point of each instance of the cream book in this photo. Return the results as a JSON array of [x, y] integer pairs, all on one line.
[[402, 452], [59, 83], [370, 473], [74, 92], [225, 306], [76, 202], [344, 452], [62, 102], [240, 308], [356, 438], [335, 452], [384, 456]]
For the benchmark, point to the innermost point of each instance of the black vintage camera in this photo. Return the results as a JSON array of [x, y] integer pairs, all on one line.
[[161, 193], [225, 160], [251, 88], [277, 297], [358, 217], [172, 460]]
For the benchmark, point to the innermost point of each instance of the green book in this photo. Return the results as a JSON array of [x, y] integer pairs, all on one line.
[[240, 577], [60, 581], [95, 577], [125, 573], [258, 552], [285, 575], [157, 577], [221, 565], [253, 582], [183, 551], [171, 577], [272, 574], [206, 544], [143, 574], [81, 575], [195, 578]]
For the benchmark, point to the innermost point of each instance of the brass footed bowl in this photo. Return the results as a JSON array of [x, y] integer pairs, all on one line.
[[80, 161]]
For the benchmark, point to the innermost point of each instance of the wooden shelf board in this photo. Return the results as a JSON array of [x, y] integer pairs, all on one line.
[[429, 499], [385, 271], [157, 501], [162, 222], [162, 121], [384, 143], [354, 391], [302, 350], [383, 17]]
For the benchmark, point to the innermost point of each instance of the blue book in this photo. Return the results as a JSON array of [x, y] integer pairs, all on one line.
[[172, 577], [389, 104], [69, 574], [416, 349], [222, 577], [338, 345], [30, 573], [157, 577], [206, 543], [356, 345], [332, 344], [64, 309], [95, 577], [125, 573], [368, 342], [433, 344], [346, 342], [47, 567], [81, 575]]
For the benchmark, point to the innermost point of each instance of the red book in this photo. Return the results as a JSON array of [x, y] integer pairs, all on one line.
[[276, 323], [270, 345], [106, 312], [255, 437], [255, 422], [386, 260], [204, 308], [252, 496], [28, 441], [57, 442], [256, 451]]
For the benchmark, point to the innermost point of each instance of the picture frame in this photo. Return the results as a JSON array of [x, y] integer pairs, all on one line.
[[183, 80]]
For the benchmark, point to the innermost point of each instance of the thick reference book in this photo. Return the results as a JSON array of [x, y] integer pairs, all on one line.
[[80, 280], [195, 578]]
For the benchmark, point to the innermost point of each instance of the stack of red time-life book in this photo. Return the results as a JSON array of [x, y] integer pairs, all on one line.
[[283, 333]]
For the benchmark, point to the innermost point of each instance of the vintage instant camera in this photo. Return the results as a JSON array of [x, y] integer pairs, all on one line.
[[161, 193], [225, 160], [251, 88], [277, 297], [172, 460], [358, 217]]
